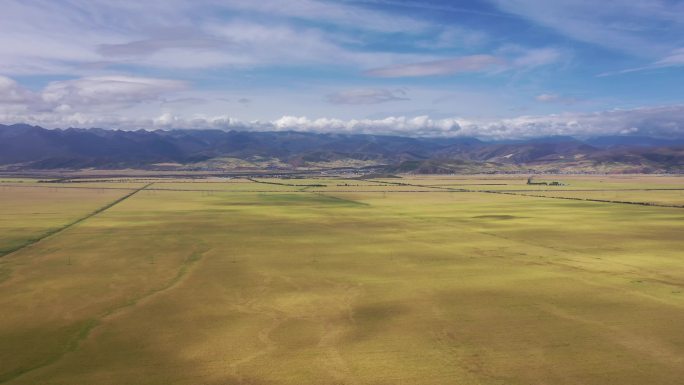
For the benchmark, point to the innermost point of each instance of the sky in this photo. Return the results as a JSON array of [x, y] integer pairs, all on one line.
[[496, 69]]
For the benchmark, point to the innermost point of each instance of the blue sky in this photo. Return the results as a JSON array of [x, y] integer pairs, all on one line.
[[489, 68]]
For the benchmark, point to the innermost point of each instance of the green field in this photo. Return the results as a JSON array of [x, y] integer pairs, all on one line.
[[349, 282]]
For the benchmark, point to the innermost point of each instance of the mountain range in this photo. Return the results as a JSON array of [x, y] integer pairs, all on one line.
[[24, 147]]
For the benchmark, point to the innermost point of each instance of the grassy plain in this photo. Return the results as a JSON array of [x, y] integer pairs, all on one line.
[[27, 212], [341, 286]]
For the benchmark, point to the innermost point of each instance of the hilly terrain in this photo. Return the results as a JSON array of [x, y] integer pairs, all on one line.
[[25, 147]]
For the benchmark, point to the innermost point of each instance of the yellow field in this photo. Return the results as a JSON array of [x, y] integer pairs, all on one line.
[[27, 213], [341, 284], [663, 197]]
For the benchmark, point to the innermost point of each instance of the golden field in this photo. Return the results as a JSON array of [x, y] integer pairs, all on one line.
[[345, 281]]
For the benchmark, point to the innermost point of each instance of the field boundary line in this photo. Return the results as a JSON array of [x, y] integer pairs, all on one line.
[[67, 226], [585, 199], [510, 192], [68, 187], [285, 184]]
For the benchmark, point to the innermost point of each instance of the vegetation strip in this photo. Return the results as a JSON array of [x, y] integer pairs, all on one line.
[[68, 225]]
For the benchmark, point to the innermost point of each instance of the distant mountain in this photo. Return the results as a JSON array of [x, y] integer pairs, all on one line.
[[632, 141], [532, 151], [31, 147]]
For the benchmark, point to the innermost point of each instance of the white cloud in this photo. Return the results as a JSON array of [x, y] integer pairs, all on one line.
[[399, 125], [81, 98], [555, 98], [107, 91], [538, 57], [547, 98], [667, 120], [12, 93]]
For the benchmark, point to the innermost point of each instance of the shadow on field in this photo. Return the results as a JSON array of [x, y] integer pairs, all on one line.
[[498, 217]]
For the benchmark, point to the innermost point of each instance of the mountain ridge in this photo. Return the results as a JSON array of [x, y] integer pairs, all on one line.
[[23, 146]]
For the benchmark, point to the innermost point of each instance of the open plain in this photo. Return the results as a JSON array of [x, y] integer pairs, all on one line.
[[413, 280]]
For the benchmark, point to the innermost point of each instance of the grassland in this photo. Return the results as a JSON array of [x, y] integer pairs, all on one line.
[[28, 213], [347, 282]]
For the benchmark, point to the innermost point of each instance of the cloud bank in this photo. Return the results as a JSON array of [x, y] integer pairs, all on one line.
[[664, 121], [99, 102]]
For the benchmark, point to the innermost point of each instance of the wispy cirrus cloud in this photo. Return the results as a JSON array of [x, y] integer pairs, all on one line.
[[648, 29], [674, 59], [367, 96], [529, 58], [337, 13], [454, 37], [635, 27], [186, 34], [473, 63], [506, 59], [190, 40], [555, 98]]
